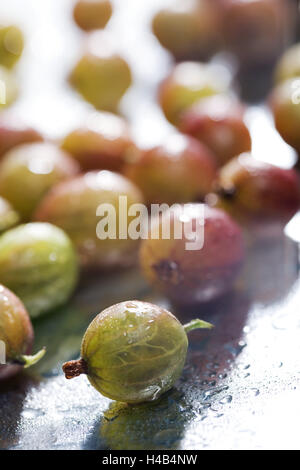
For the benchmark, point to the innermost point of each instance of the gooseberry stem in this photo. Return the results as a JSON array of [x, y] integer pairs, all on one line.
[[195, 324], [75, 368], [28, 361]]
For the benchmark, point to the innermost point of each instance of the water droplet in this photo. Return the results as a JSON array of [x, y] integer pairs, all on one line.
[[227, 399], [222, 376], [32, 413], [205, 406], [131, 305], [156, 390], [235, 350], [280, 323], [210, 393]]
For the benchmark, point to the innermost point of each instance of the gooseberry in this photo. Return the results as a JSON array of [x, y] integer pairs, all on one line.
[[102, 143], [289, 64], [101, 75], [190, 30], [11, 45], [38, 263], [180, 170], [218, 122], [28, 171], [133, 351], [73, 206], [16, 335], [257, 31], [253, 191], [285, 105], [13, 132], [92, 14], [198, 259], [188, 83]]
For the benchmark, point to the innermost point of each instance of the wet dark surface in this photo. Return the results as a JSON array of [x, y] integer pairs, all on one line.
[[240, 386]]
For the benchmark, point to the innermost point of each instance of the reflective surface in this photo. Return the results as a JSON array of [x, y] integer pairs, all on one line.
[[240, 386]]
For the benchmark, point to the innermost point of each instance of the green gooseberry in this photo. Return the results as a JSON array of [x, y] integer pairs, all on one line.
[[8, 216], [102, 75], [73, 206], [188, 83], [133, 351], [16, 335], [92, 14], [29, 171], [11, 45], [38, 263]]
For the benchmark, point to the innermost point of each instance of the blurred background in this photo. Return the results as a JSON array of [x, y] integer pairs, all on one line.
[[53, 43]]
